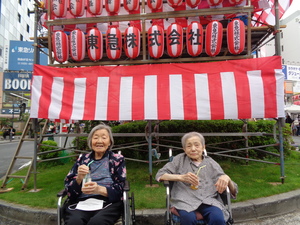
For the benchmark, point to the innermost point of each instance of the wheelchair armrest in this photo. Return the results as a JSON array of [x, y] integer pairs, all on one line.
[[166, 183], [226, 198], [62, 193], [127, 186]]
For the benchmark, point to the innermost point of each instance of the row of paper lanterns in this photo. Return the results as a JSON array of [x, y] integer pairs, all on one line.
[[77, 44], [95, 7]]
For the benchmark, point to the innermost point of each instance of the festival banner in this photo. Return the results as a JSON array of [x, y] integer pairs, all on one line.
[[237, 89]]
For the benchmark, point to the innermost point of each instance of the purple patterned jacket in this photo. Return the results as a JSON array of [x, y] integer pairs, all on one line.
[[117, 170]]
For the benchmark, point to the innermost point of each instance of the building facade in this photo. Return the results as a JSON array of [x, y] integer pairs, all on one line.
[[16, 24]]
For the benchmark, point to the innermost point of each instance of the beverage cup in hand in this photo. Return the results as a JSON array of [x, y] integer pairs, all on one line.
[[86, 179]]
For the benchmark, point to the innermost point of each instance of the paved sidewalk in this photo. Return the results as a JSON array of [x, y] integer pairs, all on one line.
[[16, 139]]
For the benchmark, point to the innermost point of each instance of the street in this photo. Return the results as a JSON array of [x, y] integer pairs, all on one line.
[[8, 149], [289, 219]]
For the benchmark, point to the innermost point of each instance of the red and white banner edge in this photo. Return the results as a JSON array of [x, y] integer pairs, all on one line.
[[237, 89]]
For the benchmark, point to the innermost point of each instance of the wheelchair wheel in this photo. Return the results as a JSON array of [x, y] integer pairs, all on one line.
[[167, 218], [132, 209]]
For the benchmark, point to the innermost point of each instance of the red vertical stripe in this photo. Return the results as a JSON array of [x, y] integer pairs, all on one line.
[[68, 97], [45, 98], [113, 105], [269, 82], [243, 94], [189, 97], [163, 95], [216, 96], [138, 110], [90, 98]]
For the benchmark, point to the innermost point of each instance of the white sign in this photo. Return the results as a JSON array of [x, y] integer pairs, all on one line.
[[292, 72]]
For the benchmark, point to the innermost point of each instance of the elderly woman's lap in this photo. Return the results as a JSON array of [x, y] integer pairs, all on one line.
[[108, 215]]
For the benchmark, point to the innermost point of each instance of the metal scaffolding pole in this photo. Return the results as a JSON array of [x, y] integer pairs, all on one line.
[[281, 121], [36, 61]]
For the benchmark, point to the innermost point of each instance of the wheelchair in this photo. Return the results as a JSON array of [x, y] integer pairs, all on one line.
[[127, 218], [172, 217]]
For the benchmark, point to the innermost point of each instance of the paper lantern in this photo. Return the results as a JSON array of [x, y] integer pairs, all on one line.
[[77, 45], [236, 36], [113, 43], [131, 5], [59, 8], [174, 36], [213, 38], [112, 6], [156, 41], [194, 39], [174, 3], [77, 7], [60, 44], [235, 2], [94, 44], [155, 4], [132, 42], [214, 2], [95, 6], [193, 3]]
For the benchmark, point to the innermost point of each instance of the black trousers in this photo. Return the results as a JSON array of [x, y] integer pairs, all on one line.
[[106, 216]]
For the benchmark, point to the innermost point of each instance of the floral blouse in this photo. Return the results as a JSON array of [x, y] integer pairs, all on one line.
[[117, 171]]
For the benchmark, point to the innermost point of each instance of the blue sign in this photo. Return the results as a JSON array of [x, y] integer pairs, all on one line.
[[284, 70], [16, 81], [21, 56]]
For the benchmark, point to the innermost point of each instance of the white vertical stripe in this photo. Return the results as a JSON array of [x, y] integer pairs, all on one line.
[[56, 97], [101, 98], [202, 97], [36, 91], [256, 94], [280, 92], [125, 110], [129, 49], [150, 97], [229, 95], [176, 97], [79, 98]]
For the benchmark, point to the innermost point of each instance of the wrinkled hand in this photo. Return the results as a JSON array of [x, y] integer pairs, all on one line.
[[90, 188], [82, 171], [190, 178], [222, 183]]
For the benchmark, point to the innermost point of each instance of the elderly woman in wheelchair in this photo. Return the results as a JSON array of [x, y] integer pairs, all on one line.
[[95, 183], [197, 180]]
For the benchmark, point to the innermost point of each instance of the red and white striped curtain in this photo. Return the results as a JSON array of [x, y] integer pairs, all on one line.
[[266, 16], [237, 89]]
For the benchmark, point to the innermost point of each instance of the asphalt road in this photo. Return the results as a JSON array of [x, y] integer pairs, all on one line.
[[7, 151], [288, 219]]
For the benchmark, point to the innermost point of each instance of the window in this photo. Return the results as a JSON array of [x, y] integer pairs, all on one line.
[[28, 12], [21, 37], [20, 2], [28, 28], [1, 52], [19, 17]]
